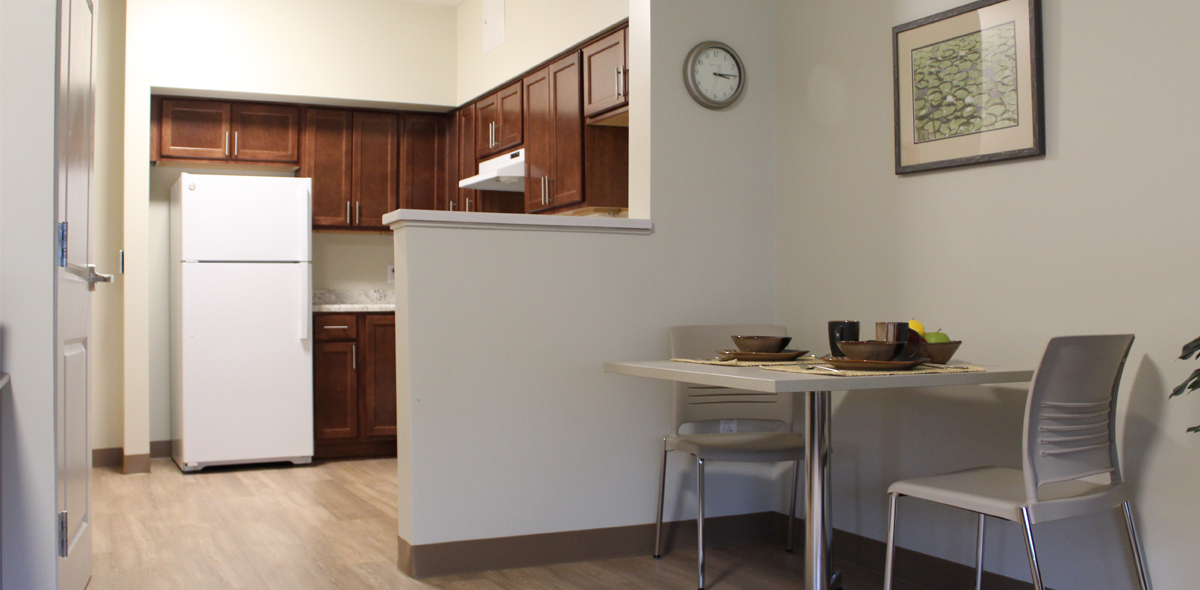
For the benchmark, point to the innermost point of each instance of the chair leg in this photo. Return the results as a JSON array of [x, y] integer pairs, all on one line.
[[979, 553], [1034, 570], [792, 510], [1136, 546], [891, 542], [662, 490], [700, 516]]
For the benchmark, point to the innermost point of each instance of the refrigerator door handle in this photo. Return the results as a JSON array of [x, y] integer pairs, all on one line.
[[305, 299]]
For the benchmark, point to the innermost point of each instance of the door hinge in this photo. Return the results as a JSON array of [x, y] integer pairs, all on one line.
[[62, 243], [63, 550]]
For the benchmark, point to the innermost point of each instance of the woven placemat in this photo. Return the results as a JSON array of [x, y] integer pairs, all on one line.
[[924, 370], [804, 361]]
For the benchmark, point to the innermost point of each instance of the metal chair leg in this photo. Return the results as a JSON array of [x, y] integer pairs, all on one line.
[[1136, 547], [700, 516], [979, 553], [891, 542], [662, 490], [1033, 562], [792, 510]]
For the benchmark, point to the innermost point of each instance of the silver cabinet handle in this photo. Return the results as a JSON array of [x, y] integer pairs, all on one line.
[[451, 205], [353, 356], [235, 143], [468, 205], [494, 125], [337, 327], [357, 212], [618, 89], [226, 143], [621, 83], [549, 191], [347, 212]]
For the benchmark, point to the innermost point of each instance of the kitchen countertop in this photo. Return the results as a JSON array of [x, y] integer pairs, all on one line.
[[353, 300]]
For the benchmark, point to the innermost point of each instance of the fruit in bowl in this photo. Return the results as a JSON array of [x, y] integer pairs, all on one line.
[[939, 348]]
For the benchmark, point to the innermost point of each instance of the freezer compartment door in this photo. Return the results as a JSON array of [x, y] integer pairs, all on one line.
[[245, 218], [247, 389]]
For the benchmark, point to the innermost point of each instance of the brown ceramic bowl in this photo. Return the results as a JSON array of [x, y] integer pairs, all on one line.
[[761, 343], [939, 353], [871, 350]]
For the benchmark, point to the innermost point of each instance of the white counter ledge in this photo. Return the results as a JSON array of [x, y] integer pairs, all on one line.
[[515, 221]]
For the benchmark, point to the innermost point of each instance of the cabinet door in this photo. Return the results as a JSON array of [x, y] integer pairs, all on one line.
[[605, 75], [510, 129], [424, 164], [487, 117], [195, 129], [379, 390], [335, 390], [468, 200], [376, 164], [328, 157], [566, 178], [539, 137], [266, 133]]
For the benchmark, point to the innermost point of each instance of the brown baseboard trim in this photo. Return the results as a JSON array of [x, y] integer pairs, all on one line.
[[460, 557], [115, 457], [136, 464]]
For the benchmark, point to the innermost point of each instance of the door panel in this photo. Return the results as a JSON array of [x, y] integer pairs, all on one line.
[[424, 155], [467, 163], [327, 160], [602, 61], [487, 116], [375, 167], [511, 127], [566, 183], [335, 391], [195, 129], [244, 218], [379, 391], [539, 158], [266, 133]]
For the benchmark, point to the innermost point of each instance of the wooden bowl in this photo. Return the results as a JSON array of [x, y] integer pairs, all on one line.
[[761, 343], [939, 353], [871, 350]]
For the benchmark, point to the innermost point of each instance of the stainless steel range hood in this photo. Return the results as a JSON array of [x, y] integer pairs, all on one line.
[[502, 173]]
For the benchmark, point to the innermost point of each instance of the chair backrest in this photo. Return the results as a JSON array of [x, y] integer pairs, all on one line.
[[699, 403], [1070, 415]]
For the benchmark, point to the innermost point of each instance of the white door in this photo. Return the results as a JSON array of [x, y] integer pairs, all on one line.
[[74, 280]]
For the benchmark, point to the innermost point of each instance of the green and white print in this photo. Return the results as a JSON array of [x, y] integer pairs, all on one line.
[[965, 85]]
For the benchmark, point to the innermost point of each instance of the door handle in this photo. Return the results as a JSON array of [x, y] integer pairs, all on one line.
[[549, 191], [357, 212], [94, 277], [468, 205], [347, 212], [235, 143], [337, 327], [451, 205], [226, 143], [621, 71], [353, 356]]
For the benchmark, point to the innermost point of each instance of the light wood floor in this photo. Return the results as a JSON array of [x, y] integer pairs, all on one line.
[[332, 526]]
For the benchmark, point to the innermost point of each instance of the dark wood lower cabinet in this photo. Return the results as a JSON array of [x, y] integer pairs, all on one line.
[[354, 386]]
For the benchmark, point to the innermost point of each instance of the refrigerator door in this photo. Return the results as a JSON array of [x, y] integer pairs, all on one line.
[[244, 218], [247, 391]]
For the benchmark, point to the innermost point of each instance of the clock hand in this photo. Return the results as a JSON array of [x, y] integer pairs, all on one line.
[[726, 76]]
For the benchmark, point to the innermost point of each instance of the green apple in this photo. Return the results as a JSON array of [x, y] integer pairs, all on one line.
[[936, 337]]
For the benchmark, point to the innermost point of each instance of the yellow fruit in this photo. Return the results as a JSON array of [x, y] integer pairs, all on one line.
[[916, 326]]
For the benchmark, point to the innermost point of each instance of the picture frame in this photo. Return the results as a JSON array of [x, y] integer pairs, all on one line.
[[968, 86]]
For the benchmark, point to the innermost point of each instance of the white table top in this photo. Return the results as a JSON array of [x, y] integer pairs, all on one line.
[[758, 379]]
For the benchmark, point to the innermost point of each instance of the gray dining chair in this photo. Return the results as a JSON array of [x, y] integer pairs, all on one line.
[[1069, 436], [703, 403]]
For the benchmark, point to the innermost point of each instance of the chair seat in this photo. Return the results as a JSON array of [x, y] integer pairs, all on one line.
[[741, 446], [1000, 492]]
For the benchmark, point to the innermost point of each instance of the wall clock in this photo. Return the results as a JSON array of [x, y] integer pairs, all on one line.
[[714, 74]]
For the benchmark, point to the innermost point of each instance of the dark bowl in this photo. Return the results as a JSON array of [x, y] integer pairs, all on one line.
[[761, 343], [871, 350], [939, 353]]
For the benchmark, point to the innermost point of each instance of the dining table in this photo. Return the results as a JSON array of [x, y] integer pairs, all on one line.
[[817, 390]]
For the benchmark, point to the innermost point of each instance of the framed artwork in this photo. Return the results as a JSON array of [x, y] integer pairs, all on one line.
[[968, 86]]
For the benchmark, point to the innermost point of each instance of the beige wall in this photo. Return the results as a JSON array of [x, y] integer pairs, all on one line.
[[1097, 237], [524, 409], [535, 30], [351, 261]]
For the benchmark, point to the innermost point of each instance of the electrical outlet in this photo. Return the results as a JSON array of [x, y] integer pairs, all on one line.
[[391, 274], [728, 426]]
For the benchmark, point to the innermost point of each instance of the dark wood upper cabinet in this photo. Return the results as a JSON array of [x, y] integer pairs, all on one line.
[[328, 161], [335, 391], [424, 161], [195, 129], [379, 389], [376, 163], [265, 132], [467, 159], [499, 120], [606, 75], [554, 136]]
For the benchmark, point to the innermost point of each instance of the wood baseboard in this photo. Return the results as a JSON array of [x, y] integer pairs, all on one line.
[[135, 464], [115, 457], [459, 557]]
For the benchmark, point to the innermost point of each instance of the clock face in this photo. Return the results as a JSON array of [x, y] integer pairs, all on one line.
[[714, 74]]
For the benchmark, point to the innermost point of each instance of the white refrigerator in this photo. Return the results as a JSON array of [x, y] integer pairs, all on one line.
[[241, 305]]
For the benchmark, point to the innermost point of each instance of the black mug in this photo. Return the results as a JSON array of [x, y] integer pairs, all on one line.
[[840, 331]]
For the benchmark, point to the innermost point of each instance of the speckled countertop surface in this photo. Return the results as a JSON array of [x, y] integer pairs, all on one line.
[[354, 300]]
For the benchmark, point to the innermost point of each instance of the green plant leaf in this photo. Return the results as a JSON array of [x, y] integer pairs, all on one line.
[[1190, 349], [1192, 383], [1194, 429]]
